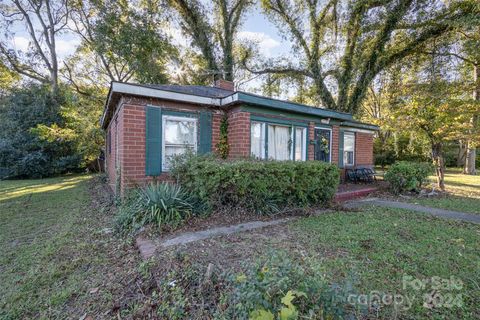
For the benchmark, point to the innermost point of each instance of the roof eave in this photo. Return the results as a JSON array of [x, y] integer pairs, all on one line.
[[236, 97]]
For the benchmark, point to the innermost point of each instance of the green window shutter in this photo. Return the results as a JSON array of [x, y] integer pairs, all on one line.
[[205, 145], [153, 141], [340, 149]]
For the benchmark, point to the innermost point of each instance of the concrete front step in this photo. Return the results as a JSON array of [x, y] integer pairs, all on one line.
[[355, 194]]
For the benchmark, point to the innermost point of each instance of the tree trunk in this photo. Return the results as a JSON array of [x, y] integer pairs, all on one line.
[[470, 159], [469, 167], [462, 152], [439, 163]]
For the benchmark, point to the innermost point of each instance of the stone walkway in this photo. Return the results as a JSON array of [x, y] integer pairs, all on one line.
[[148, 247], [449, 214]]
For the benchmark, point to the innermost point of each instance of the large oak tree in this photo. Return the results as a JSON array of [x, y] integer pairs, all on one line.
[[214, 38], [341, 45]]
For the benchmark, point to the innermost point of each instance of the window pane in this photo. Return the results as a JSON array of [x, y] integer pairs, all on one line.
[[257, 144], [179, 135], [278, 142], [171, 151], [179, 131], [348, 157], [300, 144], [348, 141], [348, 148]]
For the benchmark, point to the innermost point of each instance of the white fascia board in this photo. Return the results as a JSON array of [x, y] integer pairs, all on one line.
[[351, 129], [229, 99], [162, 94]]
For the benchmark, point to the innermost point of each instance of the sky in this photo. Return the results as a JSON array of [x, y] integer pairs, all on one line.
[[254, 27]]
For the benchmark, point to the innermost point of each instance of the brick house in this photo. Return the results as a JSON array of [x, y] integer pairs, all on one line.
[[145, 124]]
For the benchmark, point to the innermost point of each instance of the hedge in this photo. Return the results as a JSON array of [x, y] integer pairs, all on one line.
[[261, 186]]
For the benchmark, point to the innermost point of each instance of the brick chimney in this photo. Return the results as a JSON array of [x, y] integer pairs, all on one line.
[[224, 84]]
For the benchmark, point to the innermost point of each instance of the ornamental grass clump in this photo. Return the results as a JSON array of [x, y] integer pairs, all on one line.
[[164, 205]]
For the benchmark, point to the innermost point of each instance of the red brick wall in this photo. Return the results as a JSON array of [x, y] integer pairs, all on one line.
[[239, 134], [129, 124], [311, 136], [110, 156], [363, 149], [335, 130], [133, 160]]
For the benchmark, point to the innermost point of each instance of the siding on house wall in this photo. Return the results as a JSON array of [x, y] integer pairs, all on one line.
[[216, 122], [133, 160]]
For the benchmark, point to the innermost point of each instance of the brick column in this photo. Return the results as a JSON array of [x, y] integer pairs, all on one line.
[[311, 137], [335, 131], [239, 134]]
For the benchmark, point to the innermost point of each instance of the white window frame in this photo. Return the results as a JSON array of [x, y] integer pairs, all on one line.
[[263, 137], [345, 164], [330, 142], [292, 127], [304, 142], [177, 118]]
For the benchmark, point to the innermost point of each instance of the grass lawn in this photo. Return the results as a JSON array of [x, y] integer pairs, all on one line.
[[372, 249], [384, 245], [57, 259], [463, 193], [60, 259]]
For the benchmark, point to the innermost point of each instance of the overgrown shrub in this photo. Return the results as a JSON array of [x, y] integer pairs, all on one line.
[[160, 204], [273, 285], [407, 176], [280, 285], [261, 186]]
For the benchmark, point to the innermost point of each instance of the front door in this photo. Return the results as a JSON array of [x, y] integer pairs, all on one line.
[[322, 144]]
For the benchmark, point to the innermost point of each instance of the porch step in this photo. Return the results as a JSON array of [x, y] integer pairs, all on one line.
[[350, 195]]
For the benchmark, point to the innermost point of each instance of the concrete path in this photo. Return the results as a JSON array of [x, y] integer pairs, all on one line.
[[449, 214], [219, 231], [147, 247]]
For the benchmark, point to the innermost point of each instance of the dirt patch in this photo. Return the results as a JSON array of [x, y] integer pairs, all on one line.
[[232, 252]]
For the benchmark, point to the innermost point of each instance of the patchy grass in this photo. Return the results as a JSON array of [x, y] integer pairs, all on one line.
[[463, 193], [59, 258], [373, 249], [384, 245]]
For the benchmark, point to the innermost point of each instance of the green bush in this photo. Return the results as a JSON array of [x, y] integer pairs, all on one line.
[[266, 287], [280, 285], [261, 186], [160, 204], [407, 176]]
